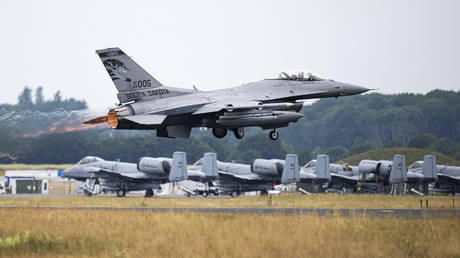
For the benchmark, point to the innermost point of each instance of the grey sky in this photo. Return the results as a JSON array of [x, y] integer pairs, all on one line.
[[395, 46]]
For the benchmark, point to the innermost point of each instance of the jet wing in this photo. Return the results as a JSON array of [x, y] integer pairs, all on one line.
[[246, 177], [345, 178], [449, 177], [105, 172]]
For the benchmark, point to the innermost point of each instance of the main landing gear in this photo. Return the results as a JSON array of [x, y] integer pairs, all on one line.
[[238, 132], [273, 134], [121, 192]]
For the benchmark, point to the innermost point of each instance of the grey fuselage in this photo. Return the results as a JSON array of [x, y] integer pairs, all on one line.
[[179, 108]]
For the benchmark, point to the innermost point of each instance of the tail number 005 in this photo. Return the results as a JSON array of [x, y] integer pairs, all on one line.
[[142, 84]]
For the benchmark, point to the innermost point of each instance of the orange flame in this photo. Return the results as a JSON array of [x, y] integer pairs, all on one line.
[[67, 126]]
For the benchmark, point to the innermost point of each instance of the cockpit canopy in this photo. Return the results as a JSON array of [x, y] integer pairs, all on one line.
[[89, 159], [299, 75], [417, 164]]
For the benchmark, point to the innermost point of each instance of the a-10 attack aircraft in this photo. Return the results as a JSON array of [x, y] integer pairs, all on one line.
[[146, 104], [122, 177], [261, 175]]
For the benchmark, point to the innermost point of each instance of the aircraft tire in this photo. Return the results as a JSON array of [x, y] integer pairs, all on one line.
[[204, 194], [121, 192], [238, 132], [149, 193], [273, 135], [234, 194], [219, 132]]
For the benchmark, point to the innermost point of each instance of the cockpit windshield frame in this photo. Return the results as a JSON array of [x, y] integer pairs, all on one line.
[[88, 160], [299, 75]]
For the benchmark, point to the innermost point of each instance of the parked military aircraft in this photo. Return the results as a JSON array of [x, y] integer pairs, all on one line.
[[146, 104], [421, 173], [315, 174], [261, 175], [121, 177], [384, 172]]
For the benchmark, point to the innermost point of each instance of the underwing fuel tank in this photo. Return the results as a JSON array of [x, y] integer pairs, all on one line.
[[262, 118]]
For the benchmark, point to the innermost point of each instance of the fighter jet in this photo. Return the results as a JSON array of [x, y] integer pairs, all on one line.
[[121, 177], [146, 104]]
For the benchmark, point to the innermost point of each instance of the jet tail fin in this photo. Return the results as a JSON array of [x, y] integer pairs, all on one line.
[[398, 173], [322, 168], [178, 170], [132, 81], [430, 170], [210, 165], [291, 172]]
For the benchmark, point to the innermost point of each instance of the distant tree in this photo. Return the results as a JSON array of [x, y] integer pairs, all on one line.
[[25, 98], [394, 143], [57, 97], [421, 141], [336, 153], [360, 148], [445, 146], [305, 155], [39, 99]]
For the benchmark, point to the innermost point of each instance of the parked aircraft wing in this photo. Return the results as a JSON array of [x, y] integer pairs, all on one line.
[[178, 170], [291, 172], [336, 176], [245, 177], [105, 172], [449, 178]]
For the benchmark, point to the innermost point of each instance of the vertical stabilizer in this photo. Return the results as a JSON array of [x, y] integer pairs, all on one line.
[[398, 173], [322, 168], [178, 170], [430, 171], [291, 172], [210, 165]]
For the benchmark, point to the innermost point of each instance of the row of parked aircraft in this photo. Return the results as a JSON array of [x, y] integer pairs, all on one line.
[[262, 175]]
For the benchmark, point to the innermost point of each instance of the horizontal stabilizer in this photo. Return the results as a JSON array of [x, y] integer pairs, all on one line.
[[146, 119]]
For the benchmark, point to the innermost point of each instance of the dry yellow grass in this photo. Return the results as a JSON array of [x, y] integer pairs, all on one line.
[[150, 234], [283, 201]]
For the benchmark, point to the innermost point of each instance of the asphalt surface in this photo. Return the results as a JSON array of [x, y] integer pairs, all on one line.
[[378, 213]]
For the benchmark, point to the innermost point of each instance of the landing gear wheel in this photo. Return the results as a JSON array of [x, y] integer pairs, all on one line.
[[238, 132], [273, 135], [121, 192], [204, 194], [149, 193], [219, 132], [234, 194]]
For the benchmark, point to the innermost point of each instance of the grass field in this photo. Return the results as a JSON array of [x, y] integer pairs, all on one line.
[[282, 201], [148, 234]]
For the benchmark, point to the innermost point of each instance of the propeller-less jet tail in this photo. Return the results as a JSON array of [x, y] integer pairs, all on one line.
[[179, 167], [398, 173], [430, 170], [322, 168], [291, 172], [210, 165]]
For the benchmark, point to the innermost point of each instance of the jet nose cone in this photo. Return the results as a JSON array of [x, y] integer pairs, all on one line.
[[350, 89]]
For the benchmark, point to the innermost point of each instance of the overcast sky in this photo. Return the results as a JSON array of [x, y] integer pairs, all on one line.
[[395, 46]]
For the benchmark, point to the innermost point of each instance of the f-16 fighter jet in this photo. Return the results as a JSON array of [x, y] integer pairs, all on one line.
[[146, 104], [121, 177]]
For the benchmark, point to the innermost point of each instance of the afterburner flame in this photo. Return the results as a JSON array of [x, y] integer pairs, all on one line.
[[112, 118], [66, 126]]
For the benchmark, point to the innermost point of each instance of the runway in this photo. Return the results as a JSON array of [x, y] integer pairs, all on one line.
[[326, 212]]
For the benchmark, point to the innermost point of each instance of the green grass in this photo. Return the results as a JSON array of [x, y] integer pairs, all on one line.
[[411, 154]]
